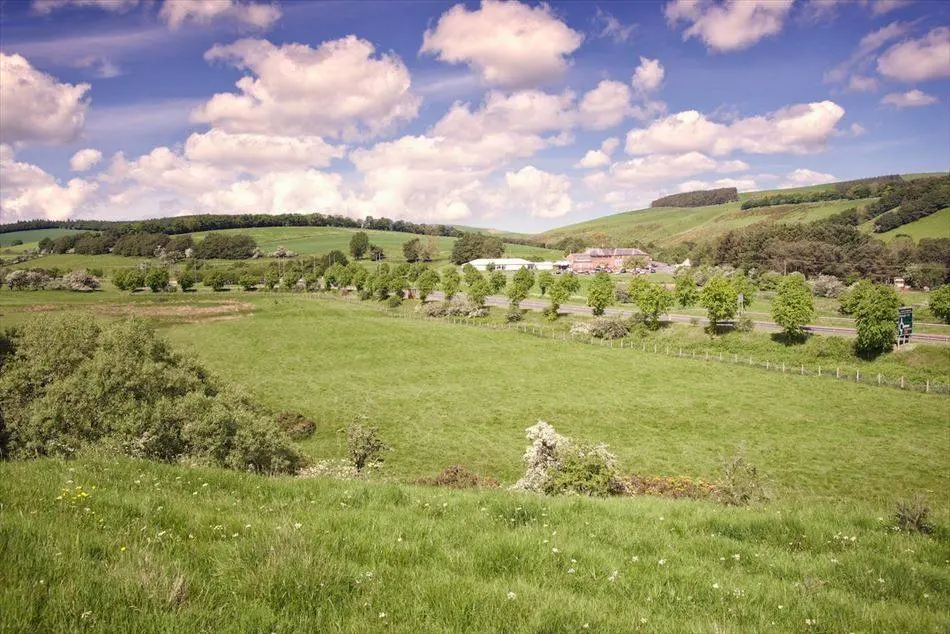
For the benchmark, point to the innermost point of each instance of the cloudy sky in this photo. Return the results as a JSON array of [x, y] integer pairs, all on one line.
[[521, 116]]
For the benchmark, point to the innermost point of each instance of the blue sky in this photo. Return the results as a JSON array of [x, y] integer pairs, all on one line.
[[521, 116]]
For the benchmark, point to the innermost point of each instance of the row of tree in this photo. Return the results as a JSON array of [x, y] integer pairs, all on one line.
[[918, 199], [701, 198]]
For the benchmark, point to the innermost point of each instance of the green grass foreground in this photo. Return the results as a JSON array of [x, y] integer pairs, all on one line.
[[168, 548]]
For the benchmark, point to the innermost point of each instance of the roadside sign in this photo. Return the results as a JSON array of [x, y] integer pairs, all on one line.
[[905, 324]]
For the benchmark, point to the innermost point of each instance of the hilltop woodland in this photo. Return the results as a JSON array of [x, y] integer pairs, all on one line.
[[698, 198]]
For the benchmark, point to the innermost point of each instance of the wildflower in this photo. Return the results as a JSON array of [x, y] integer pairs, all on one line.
[[555, 551], [570, 571], [382, 615], [634, 559], [122, 549], [85, 615], [643, 619], [811, 621], [716, 586], [880, 580], [736, 557], [613, 576], [662, 562], [781, 607], [512, 596], [297, 525]]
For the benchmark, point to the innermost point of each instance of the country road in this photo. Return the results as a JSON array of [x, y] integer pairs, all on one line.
[[538, 304]]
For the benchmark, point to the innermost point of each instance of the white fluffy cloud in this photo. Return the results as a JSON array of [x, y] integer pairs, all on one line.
[[606, 105], [601, 157], [84, 160], [339, 89], [648, 76], [506, 43], [44, 7], [742, 184], [300, 191], [799, 129], [36, 107], [863, 57], [910, 99], [859, 83], [918, 59], [806, 177], [178, 12], [28, 192], [543, 194], [730, 25], [258, 153], [164, 170]]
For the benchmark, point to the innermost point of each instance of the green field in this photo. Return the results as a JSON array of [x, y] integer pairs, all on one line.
[[320, 240], [30, 239], [155, 547], [936, 225]]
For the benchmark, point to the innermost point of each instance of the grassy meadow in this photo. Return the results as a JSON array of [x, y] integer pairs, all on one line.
[[109, 544]]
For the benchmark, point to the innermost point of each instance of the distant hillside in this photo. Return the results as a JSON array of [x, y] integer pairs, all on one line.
[[665, 227]]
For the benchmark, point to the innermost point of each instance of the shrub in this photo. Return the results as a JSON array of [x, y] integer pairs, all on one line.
[[514, 315], [224, 246], [364, 448], [394, 301], [462, 306], [128, 279], [609, 328], [554, 465], [913, 516], [827, 286], [620, 292], [769, 280], [586, 471], [248, 281], [741, 484], [187, 280], [940, 303], [458, 477], [80, 280], [435, 309], [157, 279], [71, 383], [214, 279], [27, 279], [296, 425], [743, 323]]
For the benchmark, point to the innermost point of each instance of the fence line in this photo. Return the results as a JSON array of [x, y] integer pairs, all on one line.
[[855, 376]]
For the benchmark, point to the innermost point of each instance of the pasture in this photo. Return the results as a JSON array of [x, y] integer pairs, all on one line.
[[112, 544]]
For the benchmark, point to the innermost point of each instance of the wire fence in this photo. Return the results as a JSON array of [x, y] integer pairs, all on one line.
[[833, 372]]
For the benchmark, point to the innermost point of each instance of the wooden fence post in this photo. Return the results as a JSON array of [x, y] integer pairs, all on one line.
[[902, 383], [927, 386], [803, 369], [857, 376], [819, 370], [837, 373]]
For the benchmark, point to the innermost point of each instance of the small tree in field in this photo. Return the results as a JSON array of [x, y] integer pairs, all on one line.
[[427, 282], [875, 315], [479, 290], [497, 281], [793, 307], [450, 281], [470, 274], [248, 281], [561, 291], [686, 293], [545, 280], [940, 303], [653, 301], [364, 446], [214, 279], [359, 245], [601, 293], [157, 279], [720, 299], [518, 289], [746, 290], [636, 286], [187, 279]]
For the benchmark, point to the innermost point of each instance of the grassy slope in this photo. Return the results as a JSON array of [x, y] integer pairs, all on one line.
[[936, 225], [31, 238], [319, 240], [165, 548], [445, 394]]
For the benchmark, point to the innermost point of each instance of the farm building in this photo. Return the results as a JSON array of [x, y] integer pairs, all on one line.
[[502, 264], [604, 259]]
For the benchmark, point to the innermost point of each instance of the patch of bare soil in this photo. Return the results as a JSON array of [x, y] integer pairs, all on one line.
[[214, 311]]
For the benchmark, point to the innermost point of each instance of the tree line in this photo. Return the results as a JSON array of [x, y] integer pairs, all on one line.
[[700, 198], [910, 201], [845, 190]]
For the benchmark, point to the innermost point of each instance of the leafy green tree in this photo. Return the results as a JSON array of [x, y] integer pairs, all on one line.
[[359, 245], [686, 293], [720, 299], [248, 281], [333, 275], [636, 286], [357, 275], [450, 281], [336, 257], [560, 292], [940, 303], [427, 282], [411, 250], [545, 280], [479, 290], [525, 277], [746, 290], [470, 274], [853, 296], [214, 279], [653, 301], [497, 281], [793, 307], [128, 279], [600, 295], [875, 315], [187, 279], [472, 246], [157, 279], [518, 288], [376, 253]]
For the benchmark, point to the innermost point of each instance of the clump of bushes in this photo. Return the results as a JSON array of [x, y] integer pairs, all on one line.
[[827, 286], [609, 328], [459, 477], [70, 382], [27, 279], [555, 465], [296, 425], [80, 281]]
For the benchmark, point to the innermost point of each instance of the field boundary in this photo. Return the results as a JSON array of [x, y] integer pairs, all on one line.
[[833, 372]]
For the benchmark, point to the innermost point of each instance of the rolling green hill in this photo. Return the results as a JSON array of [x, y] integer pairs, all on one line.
[[670, 226], [30, 239]]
